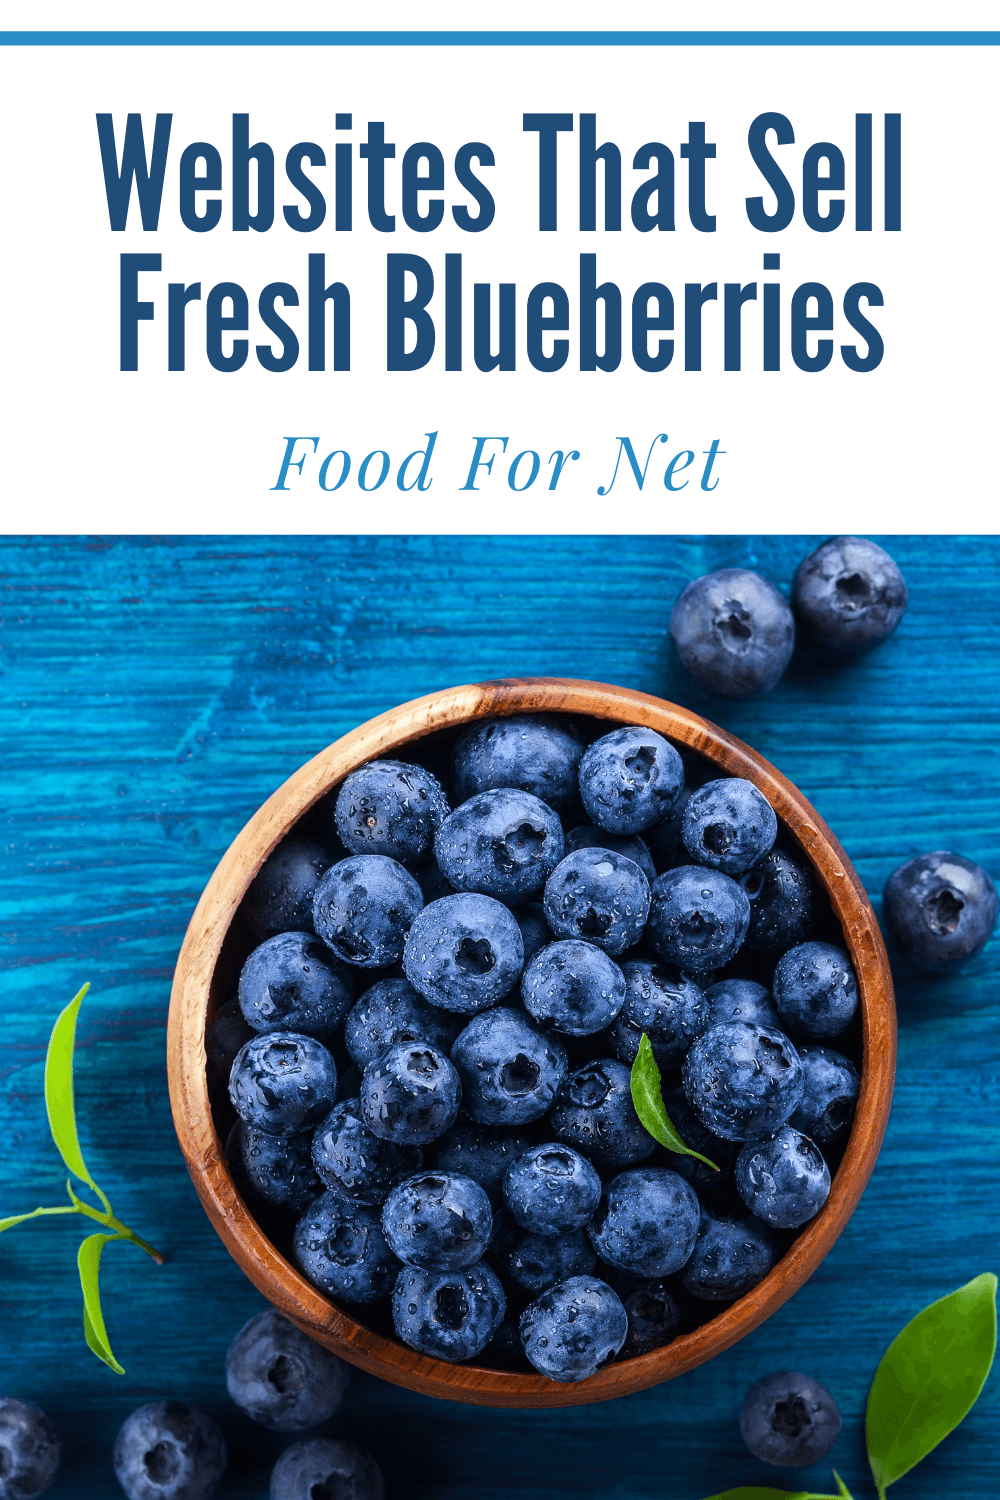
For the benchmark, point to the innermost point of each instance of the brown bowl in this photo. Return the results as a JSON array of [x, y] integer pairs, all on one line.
[[208, 966]]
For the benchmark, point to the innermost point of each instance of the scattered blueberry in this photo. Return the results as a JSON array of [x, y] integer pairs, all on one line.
[[292, 982], [339, 1246], [280, 897], [533, 1262], [535, 931], [551, 1189], [784, 901], [629, 779], [815, 990], [283, 1082], [697, 917], [574, 1329], [789, 1420], [631, 846], [828, 1100], [741, 1000], [224, 1038], [29, 1450], [464, 952], [503, 843], [324, 1469], [849, 593], [482, 1152], [784, 1179], [743, 1081], [510, 1071], [647, 1222], [733, 1252], [277, 1169], [572, 987], [356, 1163], [734, 633], [595, 1114], [654, 1317], [169, 1451], [410, 1094], [282, 1378], [363, 909], [600, 896], [388, 807], [448, 1314], [438, 1221], [728, 825], [663, 1003], [940, 908], [392, 1011], [537, 753]]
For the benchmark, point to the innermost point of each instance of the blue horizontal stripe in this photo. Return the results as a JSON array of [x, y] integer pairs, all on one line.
[[500, 38]]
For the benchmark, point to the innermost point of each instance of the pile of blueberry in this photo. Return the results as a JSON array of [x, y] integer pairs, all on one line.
[[429, 1054]]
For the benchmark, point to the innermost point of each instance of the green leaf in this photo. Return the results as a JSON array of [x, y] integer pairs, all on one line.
[[88, 1262], [647, 1096], [929, 1378], [59, 1093], [759, 1492], [36, 1213]]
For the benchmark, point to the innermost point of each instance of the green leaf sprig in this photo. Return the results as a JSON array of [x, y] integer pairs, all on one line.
[[61, 1109], [647, 1096], [928, 1380]]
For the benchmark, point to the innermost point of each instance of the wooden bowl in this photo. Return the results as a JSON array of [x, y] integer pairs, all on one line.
[[208, 966]]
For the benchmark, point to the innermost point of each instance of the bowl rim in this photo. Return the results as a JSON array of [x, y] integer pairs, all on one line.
[[277, 1279]]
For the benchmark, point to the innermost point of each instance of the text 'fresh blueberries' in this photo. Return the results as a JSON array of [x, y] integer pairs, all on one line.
[[734, 633]]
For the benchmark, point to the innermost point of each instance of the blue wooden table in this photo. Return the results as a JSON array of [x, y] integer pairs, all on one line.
[[155, 692]]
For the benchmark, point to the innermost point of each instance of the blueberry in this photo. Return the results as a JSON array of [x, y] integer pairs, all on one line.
[[388, 807], [410, 1094], [789, 1420], [354, 1162], [595, 1114], [728, 825], [574, 1329], [551, 1189], [849, 593], [573, 988], [694, 1134], [282, 1378], [283, 1082], [784, 1179], [599, 896], [510, 1071], [831, 1092], [784, 901], [339, 1246], [537, 753], [438, 1221], [698, 918], [534, 1262], [629, 779], [482, 1152], [324, 1469], [448, 1314], [277, 1169], [224, 1038], [464, 953], [743, 1081], [734, 633], [741, 1000], [815, 990], [29, 1450], [535, 931], [733, 1252], [169, 1451], [654, 1317], [940, 909], [588, 836], [503, 843], [663, 1003], [647, 1222], [392, 1011], [364, 907], [293, 983], [280, 896]]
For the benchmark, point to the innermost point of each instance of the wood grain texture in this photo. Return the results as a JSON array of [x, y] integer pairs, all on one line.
[[154, 693], [197, 992]]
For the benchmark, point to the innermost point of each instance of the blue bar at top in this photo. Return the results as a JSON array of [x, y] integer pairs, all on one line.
[[500, 38]]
